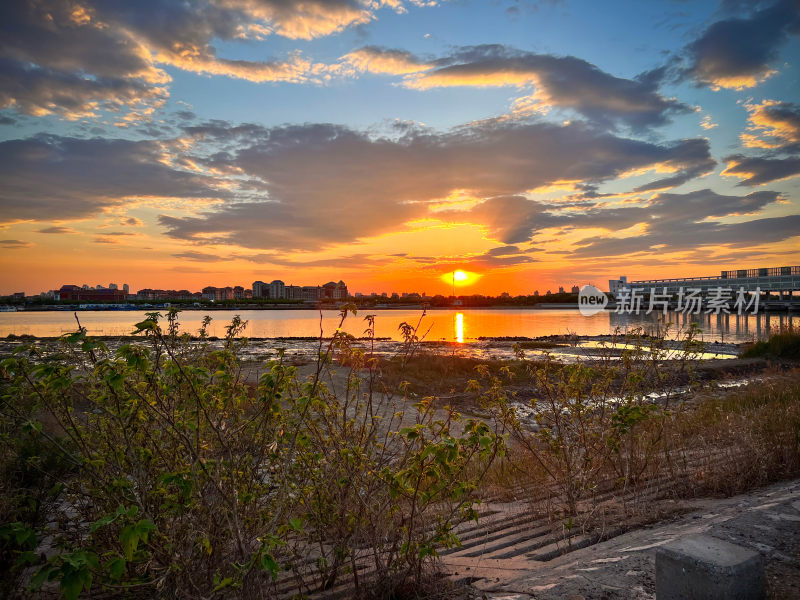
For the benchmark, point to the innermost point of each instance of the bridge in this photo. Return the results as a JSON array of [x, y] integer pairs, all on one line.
[[779, 286]]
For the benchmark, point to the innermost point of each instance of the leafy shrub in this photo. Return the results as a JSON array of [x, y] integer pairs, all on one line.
[[191, 481]]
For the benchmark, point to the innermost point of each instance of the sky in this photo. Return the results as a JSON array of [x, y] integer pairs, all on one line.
[[389, 142]]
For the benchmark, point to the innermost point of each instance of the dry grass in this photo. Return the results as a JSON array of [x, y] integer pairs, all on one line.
[[720, 444]]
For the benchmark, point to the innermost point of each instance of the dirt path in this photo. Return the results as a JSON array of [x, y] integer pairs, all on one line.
[[766, 520]]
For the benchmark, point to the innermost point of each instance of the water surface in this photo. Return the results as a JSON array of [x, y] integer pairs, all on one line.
[[466, 325]]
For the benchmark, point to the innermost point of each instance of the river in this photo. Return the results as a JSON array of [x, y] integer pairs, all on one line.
[[465, 325]]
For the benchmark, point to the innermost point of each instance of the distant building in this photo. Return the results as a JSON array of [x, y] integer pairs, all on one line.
[[260, 289], [113, 286], [614, 285], [335, 291], [126, 288], [575, 289], [277, 289], [73, 292], [151, 294], [536, 292], [561, 289], [549, 293], [311, 293], [209, 293]]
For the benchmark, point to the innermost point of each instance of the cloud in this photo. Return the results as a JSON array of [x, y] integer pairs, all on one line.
[[691, 221], [307, 19], [500, 257], [385, 61], [14, 244], [75, 57], [558, 81], [57, 230], [758, 171], [68, 178], [772, 124], [199, 256], [739, 52], [326, 185]]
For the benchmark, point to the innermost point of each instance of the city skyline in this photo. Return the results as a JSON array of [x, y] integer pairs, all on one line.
[[532, 144]]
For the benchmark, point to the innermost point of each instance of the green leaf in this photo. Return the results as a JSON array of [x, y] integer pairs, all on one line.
[[40, 577], [116, 568], [223, 584], [269, 565], [72, 584]]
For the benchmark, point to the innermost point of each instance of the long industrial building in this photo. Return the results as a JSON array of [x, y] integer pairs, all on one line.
[[781, 281]]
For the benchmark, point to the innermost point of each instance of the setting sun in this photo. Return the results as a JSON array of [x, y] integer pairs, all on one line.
[[459, 277]]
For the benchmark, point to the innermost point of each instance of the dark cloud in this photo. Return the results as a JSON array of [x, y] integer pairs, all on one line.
[[739, 52], [14, 244], [680, 222], [559, 81], [773, 125], [199, 256], [66, 178], [758, 171], [504, 251], [71, 57], [57, 230], [489, 260], [328, 184], [696, 162]]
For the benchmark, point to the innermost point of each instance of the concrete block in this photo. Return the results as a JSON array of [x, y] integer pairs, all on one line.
[[703, 567]]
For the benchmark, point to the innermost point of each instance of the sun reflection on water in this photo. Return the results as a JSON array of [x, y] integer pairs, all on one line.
[[460, 328]]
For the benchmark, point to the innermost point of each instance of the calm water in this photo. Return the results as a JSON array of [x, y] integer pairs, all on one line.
[[465, 325]]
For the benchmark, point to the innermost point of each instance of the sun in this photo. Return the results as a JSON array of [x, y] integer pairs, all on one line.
[[460, 277]]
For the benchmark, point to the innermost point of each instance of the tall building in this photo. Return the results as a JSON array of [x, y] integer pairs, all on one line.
[[260, 289], [277, 289], [575, 289]]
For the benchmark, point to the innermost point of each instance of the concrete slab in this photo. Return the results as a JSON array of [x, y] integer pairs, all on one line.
[[705, 567]]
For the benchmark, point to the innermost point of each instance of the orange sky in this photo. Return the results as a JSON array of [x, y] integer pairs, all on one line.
[[179, 145]]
